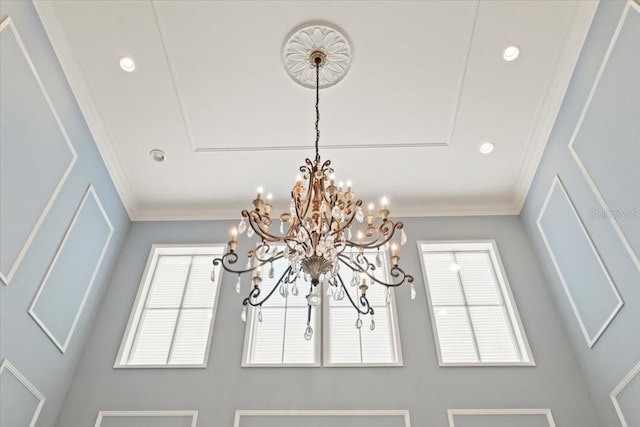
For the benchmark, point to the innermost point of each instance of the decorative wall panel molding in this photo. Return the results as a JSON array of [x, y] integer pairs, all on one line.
[[28, 166], [591, 292], [138, 418], [495, 417], [10, 414], [597, 141], [365, 417], [60, 299], [625, 398]]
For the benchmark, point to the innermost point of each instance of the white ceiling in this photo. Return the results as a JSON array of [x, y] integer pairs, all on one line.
[[426, 87]]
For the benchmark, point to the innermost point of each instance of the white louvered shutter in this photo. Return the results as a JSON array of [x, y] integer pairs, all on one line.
[[279, 338], [174, 324], [471, 315], [349, 345]]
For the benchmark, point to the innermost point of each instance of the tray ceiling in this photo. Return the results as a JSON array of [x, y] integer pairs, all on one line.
[[426, 87]]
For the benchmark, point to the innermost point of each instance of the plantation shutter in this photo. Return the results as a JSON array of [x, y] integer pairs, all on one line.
[[471, 317]]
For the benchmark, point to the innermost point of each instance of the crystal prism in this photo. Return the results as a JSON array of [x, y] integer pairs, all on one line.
[[359, 215], [308, 333], [213, 275], [243, 316], [250, 232], [242, 226], [379, 260], [238, 285], [372, 325], [260, 315], [413, 292], [272, 271], [281, 227], [388, 297], [403, 237]]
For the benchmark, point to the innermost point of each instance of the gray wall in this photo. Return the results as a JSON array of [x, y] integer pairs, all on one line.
[[420, 386], [605, 163], [34, 156]]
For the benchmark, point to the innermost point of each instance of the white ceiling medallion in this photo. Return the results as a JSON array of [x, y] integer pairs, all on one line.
[[323, 37]]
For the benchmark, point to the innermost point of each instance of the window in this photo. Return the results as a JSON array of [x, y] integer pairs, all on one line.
[[172, 318], [278, 339], [474, 318]]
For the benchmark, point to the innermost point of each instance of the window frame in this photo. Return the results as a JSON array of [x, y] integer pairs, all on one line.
[[157, 250], [322, 338], [517, 326]]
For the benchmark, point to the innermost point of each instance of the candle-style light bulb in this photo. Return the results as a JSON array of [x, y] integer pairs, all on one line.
[[260, 191], [269, 197], [394, 249], [384, 202], [234, 234]]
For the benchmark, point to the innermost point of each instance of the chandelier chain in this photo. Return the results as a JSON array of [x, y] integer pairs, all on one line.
[[317, 108]]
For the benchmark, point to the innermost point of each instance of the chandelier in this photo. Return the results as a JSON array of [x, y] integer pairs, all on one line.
[[325, 232]]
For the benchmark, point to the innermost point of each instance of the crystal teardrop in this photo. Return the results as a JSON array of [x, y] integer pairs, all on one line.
[[294, 290], [372, 325], [308, 333], [340, 295], [272, 271], [238, 285], [330, 291], [250, 232], [359, 215], [213, 275], [359, 323], [403, 237], [413, 292], [243, 316], [354, 280], [242, 226], [349, 233], [335, 212], [388, 297], [281, 227], [248, 264], [260, 314], [379, 259]]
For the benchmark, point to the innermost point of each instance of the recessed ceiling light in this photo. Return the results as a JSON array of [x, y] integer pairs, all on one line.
[[511, 53], [486, 147], [127, 64], [157, 155]]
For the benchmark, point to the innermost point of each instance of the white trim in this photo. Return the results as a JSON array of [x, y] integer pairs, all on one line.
[[566, 61], [30, 387], [63, 346], [103, 414], [6, 278], [156, 250], [592, 185], [451, 413], [510, 303], [55, 29], [590, 341], [616, 391], [323, 413]]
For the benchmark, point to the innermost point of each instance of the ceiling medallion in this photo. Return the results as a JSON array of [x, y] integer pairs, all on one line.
[[326, 39], [325, 230]]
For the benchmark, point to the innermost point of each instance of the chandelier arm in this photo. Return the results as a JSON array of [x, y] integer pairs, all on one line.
[[387, 232], [255, 291], [227, 260], [368, 308], [395, 272]]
